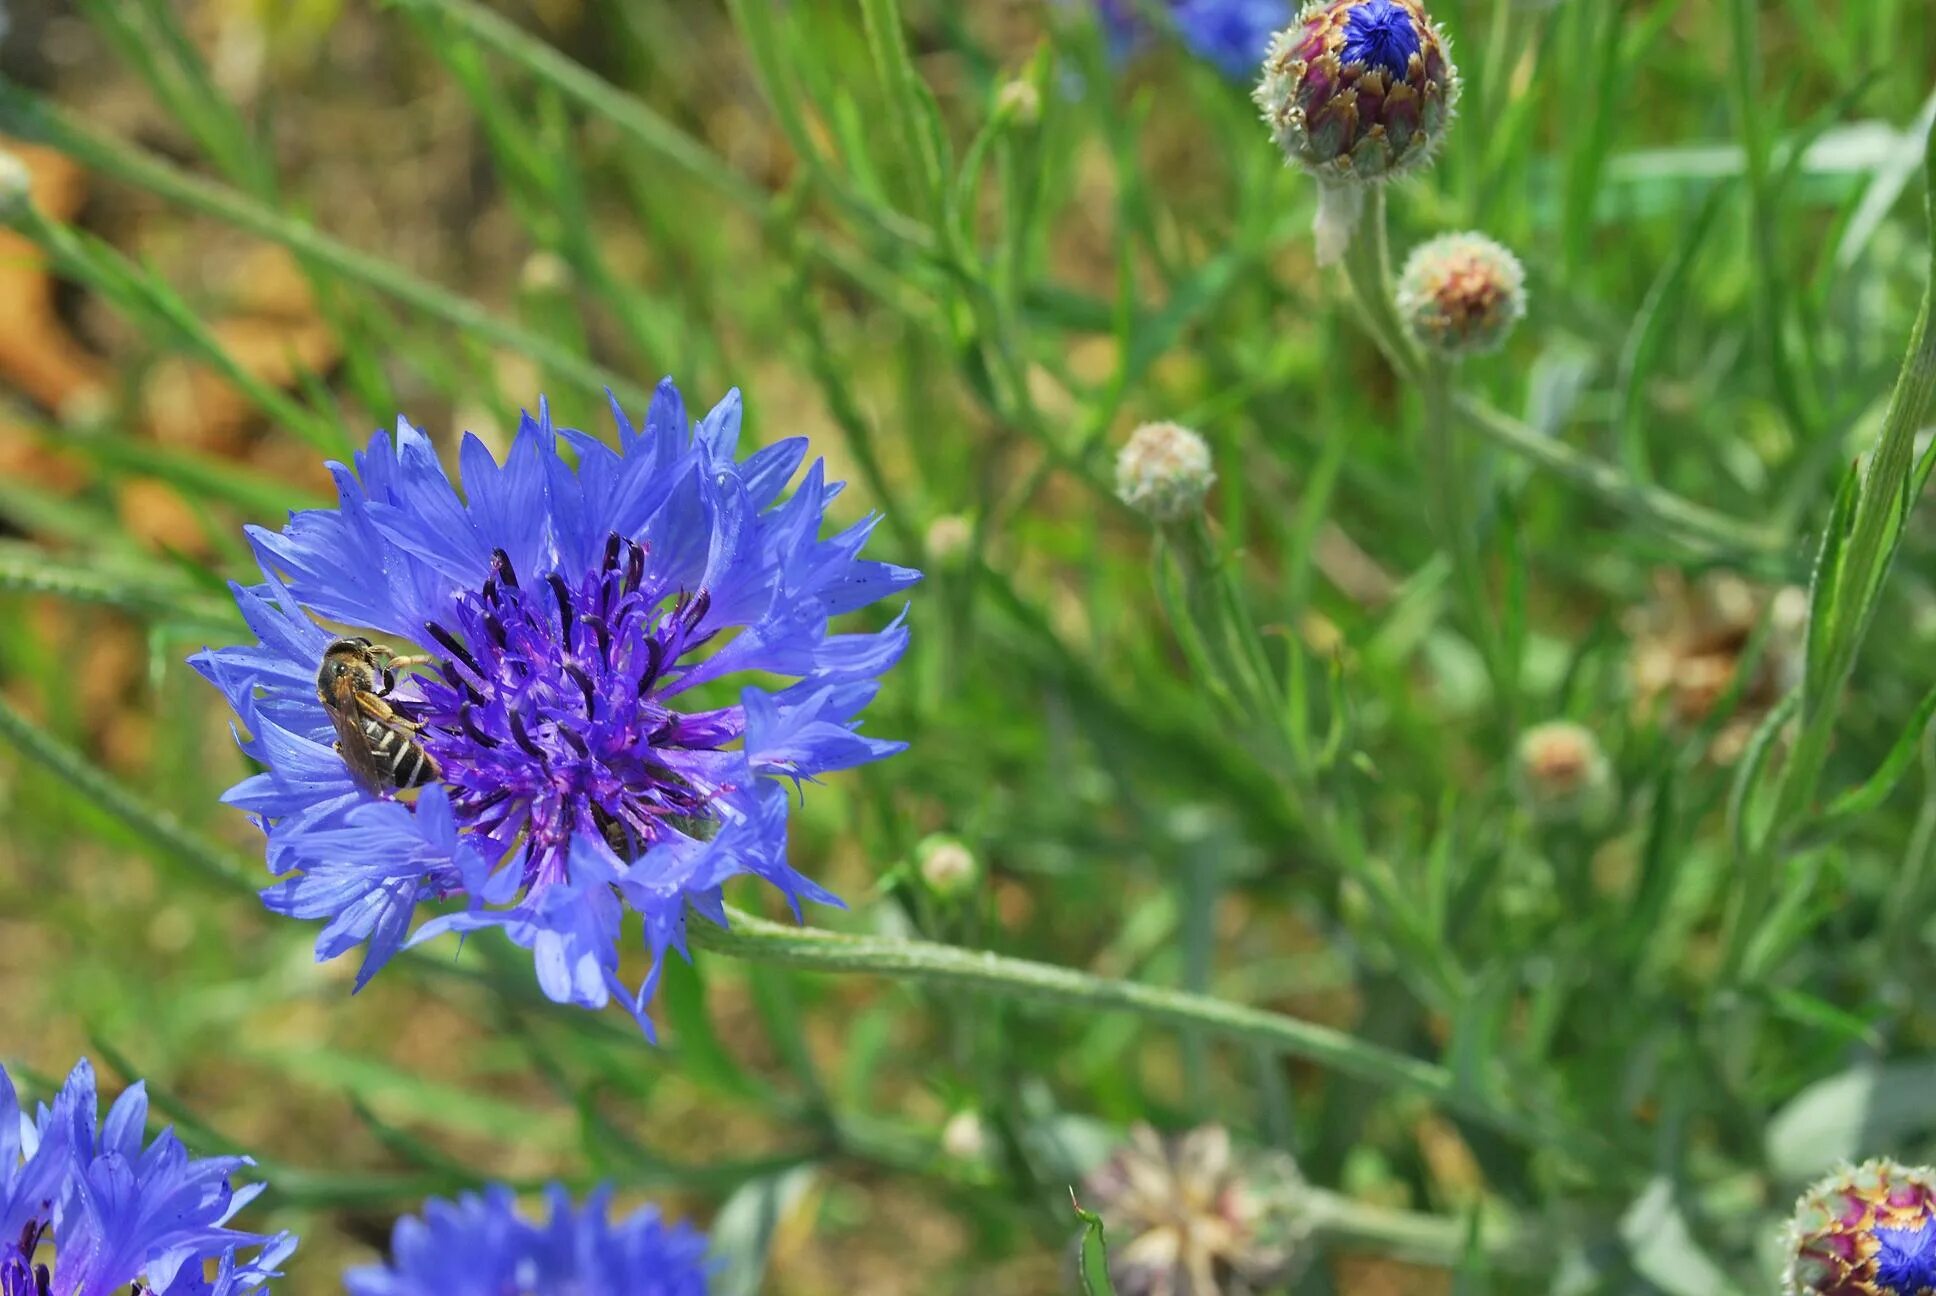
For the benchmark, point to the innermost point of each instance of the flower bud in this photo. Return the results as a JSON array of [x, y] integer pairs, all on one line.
[[1461, 294], [1358, 90], [947, 867], [1164, 471], [1563, 774], [948, 539], [1184, 1208], [16, 186], [1018, 103], [965, 1136], [1870, 1230]]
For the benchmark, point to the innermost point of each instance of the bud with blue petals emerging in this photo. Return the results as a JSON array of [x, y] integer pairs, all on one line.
[[1355, 92], [1867, 1231]]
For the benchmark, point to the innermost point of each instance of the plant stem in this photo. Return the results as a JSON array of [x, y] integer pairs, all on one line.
[[758, 940], [1435, 1240], [1450, 486], [1756, 544], [1367, 266], [1854, 561]]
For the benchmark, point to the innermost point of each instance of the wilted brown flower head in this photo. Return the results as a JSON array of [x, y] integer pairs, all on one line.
[[1187, 1215], [1690, 642]]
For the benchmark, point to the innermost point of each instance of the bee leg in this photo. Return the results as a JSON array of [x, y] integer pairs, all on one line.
[[398, 662]]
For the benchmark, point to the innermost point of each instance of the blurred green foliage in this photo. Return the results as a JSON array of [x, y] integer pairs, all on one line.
[[1267, 760]]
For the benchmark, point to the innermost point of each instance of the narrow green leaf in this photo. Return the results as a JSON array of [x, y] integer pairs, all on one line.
[[742, 1232], [1092, 1257]]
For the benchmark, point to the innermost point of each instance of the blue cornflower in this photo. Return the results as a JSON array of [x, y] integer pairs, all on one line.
[[118, 1215], [480, 1246], [1232, 34], [1379, 33], [572, 616]]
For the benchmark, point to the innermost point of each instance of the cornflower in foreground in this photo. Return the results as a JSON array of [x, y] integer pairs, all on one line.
[[1867, 1231], [88, 1209], [1232, 34], [1190, 1216], [579, 740], [479, 1245], [1356, 92]]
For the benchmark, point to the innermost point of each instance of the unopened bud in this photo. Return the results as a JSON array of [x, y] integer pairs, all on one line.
[[948, 539], [1164, 471], [1019, 103], [965, 1136], [1563, 774], [947, 867], [16, 186], [1461, 294]]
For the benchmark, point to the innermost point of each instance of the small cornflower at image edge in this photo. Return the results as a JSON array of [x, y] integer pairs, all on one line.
[[556, 619], [481, 1244], [91, 1207], [1461, 294]]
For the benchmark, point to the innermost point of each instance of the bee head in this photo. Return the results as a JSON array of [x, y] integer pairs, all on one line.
[[345, 662]]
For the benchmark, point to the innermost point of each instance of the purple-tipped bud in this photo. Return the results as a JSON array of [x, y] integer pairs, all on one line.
[[1461, 294], [1870, 1231], [1358, 90]]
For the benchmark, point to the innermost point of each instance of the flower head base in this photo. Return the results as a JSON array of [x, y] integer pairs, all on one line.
[[574, 621], [1870, 1231], [1358, 90], [1163, 472], [121, 1213], [479, 1245], [1187, 1216], [1461, 294], [1563, 774]]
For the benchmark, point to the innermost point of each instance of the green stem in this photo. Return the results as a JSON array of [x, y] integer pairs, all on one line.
[[1367, 267], [1881, 512], [1434, 1240], [1618, 489], [1855, 558], [1458, 537], [758, 940]]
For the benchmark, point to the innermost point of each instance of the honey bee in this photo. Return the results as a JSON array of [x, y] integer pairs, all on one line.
[[375, 741]]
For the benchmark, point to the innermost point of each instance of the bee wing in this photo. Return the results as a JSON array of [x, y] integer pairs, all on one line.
[[354, 746]]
